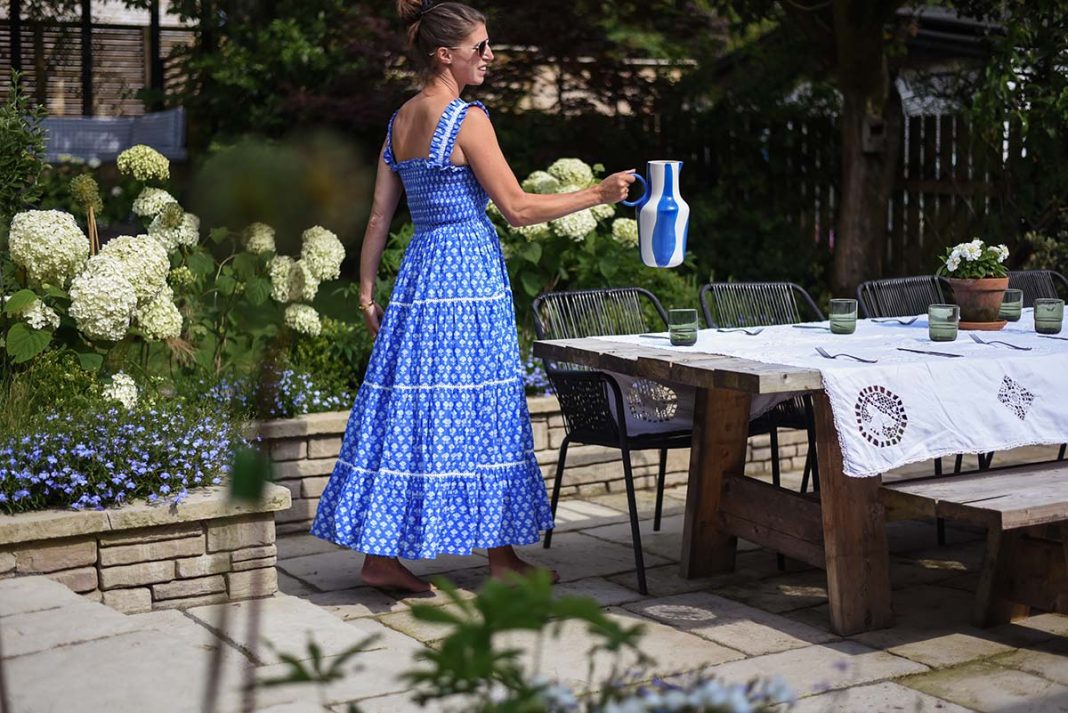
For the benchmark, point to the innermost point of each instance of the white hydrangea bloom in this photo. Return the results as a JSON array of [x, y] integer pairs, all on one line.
[[302, 283], [160, 319], [48, 244], [278, 270], [541, 182], [322, 252], [187, 233], [537, 231], [37, 314], [575, 225], [1002, 252], [625, 231], [102, 299], [122, 389], [603, 211], [182, 276], [259, 238], [304, 319], [572, 172], [151, 201], [144, 163], [144, 263]]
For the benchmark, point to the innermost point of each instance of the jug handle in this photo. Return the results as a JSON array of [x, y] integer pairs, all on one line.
[[645, 192]]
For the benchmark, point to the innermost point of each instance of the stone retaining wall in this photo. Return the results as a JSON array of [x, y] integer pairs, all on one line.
[[142, 557], [304, 450]]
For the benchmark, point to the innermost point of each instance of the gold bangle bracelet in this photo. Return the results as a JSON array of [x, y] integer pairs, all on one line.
[[367, 305]]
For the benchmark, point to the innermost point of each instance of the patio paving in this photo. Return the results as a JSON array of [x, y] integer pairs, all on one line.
[[756, 620]]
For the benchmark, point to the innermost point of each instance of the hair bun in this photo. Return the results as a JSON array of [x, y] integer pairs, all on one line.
[[413, 10]]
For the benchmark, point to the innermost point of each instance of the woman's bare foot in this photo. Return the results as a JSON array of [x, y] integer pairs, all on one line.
[[504, 560], [389, 573]]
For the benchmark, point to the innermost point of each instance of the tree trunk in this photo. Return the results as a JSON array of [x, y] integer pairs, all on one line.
[[871, 138]]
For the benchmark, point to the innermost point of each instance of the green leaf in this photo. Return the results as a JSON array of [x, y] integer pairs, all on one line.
[[200, 264], [226, 284], [19, 301], [245, 265], [217, 235], [531, 284], [258, 290], [24, 342], [53, 291], [90, 361], [252, 470], [532, 253]]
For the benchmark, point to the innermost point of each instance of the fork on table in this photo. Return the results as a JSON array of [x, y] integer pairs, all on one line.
[[744, 330], [826, 355], [899, 320], [993, 342]]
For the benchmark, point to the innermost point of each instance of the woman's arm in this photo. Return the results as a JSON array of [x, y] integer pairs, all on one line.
[[388, 189], [478, 141]]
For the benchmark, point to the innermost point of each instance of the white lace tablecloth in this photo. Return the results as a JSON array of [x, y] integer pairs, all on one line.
[[911, 407]]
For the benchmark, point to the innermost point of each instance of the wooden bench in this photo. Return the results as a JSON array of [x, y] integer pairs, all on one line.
[[1025, 512]]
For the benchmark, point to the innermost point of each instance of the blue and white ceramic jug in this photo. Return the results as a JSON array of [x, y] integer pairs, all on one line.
[[663, 216]]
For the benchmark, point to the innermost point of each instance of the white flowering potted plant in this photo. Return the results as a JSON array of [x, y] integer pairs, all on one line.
[[977, 275]]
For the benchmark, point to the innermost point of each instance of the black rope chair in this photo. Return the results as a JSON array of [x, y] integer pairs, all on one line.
[[593, 404], [1038, 283], [900, 296], [760, 304]]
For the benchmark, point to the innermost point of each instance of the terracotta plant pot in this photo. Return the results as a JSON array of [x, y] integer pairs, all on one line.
[[979, 300]]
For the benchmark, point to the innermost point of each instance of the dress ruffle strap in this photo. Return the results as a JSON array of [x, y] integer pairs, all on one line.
[[455, 124]]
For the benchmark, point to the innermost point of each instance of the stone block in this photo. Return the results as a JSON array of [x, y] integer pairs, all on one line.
[[252, 583], [79, 580], [52, 557], [301, 511], [130, 601], [50, 525], [238, 533], [304, 468], [252, 553], [94, 596], [152, 551], [292, 528], [152, 534], [190, 602], [203, 565], [292, 485], [210, 504], [132, 575], [543, 405], [7, 562], [254, 564], [309, 425], [313, 487], [289, 449], [184, 588], [541, 435], [324, 446]]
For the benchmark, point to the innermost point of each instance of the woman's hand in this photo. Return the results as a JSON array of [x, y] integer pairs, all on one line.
[[372, 317], [614, 188]]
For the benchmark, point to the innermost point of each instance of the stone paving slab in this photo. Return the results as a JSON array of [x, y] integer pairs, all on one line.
[[25, 595], [400, 703], [665, 580], [886, 697], [666, 543], [369, 674], [823, 667], [575, 555], [988, 688], [287, 623], [1049, 660], [52, 629], [727, 622], [949, 649], [303, 544], [581, 515], [340, 569], [781, 593]]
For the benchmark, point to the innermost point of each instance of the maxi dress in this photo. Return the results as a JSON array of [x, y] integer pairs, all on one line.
[[438, 453]]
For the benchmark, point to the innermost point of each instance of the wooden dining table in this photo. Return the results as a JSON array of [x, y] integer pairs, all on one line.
[[840, 528]]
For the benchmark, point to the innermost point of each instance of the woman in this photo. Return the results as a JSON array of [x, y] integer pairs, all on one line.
[[438, 453]]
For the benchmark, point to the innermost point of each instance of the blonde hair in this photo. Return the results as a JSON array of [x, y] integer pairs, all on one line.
[[432, 25]]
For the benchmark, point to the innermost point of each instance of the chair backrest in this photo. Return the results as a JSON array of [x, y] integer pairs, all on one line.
[[1038, 283], [596, 313], [899, 296], [756, 304]]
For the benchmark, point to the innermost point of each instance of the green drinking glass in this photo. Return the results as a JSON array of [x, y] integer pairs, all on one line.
[[682, 327], [1011, 305], [843, 316], [1049, 314], [942, 322]]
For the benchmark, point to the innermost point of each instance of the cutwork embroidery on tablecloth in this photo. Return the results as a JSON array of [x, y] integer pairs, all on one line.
[[881, 416], [1015, 397], [650, 401]]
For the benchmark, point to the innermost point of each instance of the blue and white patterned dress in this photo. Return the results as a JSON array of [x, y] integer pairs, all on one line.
[[438, 455]]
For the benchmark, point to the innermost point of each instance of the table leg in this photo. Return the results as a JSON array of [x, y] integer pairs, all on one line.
[[854, 536], [720, 433]]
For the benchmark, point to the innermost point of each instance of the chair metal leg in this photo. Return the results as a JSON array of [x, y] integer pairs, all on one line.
[[1060, 453], [776, 473], [661, 476], [958, 464], [938, 466], [556, 487], [940, 528], [985, 459], [635, 532]]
